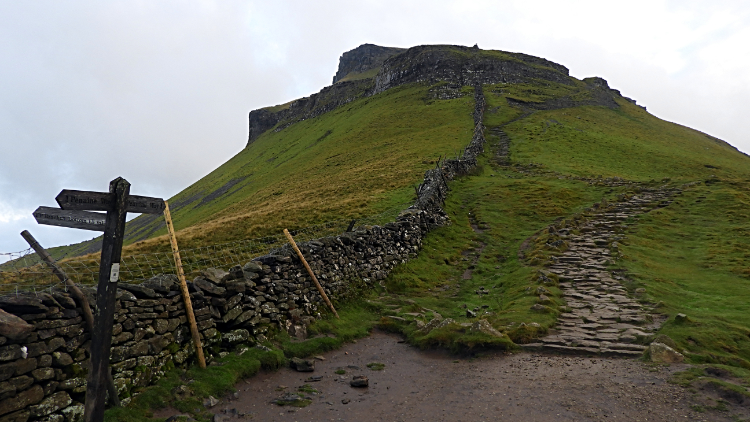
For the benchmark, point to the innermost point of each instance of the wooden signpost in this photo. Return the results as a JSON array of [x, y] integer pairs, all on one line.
[[117, 203]]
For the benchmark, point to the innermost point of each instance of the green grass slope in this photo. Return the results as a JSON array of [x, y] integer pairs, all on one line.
[[692, 257], [357, 160]]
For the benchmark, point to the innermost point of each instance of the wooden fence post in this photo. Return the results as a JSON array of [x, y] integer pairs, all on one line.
[[184, 289], [310, 271]]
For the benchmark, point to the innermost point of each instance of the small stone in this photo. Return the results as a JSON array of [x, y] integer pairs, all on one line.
[[681, 318], [181, 392], [470, 314], [345, 401], [180, 418], [303, 365], [483, 326], [359, 381], [319, 357], [210, 402], [544, 300], [73, 413], [214, 275], [538, 307]]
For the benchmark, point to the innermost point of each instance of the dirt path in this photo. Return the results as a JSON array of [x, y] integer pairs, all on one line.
[[436, 386]]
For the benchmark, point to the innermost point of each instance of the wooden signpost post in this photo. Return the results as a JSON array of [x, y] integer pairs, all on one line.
[[73, 212]]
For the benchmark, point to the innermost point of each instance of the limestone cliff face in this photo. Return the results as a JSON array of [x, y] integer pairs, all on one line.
[[363, 58], [464, 66], [457, 65]]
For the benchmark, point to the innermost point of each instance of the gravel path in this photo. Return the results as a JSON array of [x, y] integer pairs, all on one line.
[[435, 386]]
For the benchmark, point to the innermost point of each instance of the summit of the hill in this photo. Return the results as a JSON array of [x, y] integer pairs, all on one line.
[[370, 69]]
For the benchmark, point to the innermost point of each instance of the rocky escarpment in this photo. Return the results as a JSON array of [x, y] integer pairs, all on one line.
[[456, 65], [363, 58], [326, 100], [597, 90], [465, 66]]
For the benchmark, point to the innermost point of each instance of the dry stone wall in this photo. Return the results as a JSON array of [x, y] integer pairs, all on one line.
[[44, 344]]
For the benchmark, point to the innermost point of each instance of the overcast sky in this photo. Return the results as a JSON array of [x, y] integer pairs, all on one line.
[[158, 91]]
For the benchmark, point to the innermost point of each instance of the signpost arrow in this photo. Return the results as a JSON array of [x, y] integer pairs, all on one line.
[[102, 201], [75, 219]]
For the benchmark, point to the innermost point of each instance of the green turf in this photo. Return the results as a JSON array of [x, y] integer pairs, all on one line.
[[357, 160]]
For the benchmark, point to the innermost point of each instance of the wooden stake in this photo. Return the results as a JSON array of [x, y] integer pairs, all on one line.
[[78, 294], [184, 289], [101, 337], [310, 271]]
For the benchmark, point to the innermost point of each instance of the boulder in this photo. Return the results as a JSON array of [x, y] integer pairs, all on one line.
[[661, 353], [13, 327], [665, 339]]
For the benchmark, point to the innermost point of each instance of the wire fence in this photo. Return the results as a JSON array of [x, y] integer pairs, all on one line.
[[24, 271]]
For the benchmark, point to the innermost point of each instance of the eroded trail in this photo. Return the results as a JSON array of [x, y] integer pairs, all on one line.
[[436, 386], [602, 317]]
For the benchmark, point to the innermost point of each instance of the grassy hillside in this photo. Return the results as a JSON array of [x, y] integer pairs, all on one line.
[[692, 257], [357, 160]]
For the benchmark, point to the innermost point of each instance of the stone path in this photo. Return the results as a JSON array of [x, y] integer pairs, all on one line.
[[502, 152], [602, 318]]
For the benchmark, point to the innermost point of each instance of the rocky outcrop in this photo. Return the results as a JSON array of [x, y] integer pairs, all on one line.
[[363, 58], [326, 100], [456, 65], [465, 66]]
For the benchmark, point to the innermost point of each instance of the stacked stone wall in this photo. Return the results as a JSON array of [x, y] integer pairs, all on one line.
[[43, 363]]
